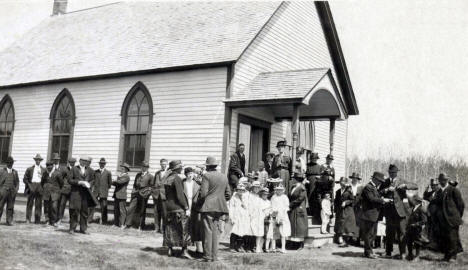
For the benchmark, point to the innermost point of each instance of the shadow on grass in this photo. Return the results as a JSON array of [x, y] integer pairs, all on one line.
[[350, 254], [159, 250]]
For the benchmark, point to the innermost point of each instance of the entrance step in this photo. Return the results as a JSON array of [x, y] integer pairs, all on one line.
[[318, 240]]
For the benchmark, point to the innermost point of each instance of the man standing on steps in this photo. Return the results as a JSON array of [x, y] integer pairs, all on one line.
[[9, 185], [66, 189], [214, 193], [159, 196], [102, 184], [395, 213], [33, 189], [371, 201], [328, 165], [81, 198], [237, 166]]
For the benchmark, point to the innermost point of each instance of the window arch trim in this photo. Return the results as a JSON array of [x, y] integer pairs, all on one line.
[[137, 87], [7, 99]]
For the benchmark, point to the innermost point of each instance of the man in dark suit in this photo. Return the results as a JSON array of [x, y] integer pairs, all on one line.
[[395, 213], [81, 198], [102, 184], [214, 193], [371, 203], [33, 189], [328, 165], [269, 163], [52, 183], [450, 205], [120, 196], [9, 185], [159, 196], [66, 188], [237, 166], [141, 191]]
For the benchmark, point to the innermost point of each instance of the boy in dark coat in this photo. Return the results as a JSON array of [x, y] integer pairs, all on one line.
[[416, 221]]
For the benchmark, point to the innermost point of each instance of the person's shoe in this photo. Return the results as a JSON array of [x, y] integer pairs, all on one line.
[[283, 251], [84, 232], [371, 256], [28, 221], [399, 256], [186, 255], [387, 256], [205, 260], [72, 232], [409, 258]]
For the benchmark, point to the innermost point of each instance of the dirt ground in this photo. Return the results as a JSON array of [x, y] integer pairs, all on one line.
[[29, 246]]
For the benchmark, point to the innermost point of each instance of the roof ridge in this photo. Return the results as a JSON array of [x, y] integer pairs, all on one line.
[[85, 9], [294, 70]]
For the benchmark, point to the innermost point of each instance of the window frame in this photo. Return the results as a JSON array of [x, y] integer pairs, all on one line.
[[4, 100], [64, 93], [139, 86]]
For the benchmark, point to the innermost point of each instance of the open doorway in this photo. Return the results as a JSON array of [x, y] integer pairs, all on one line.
[[255, 135]]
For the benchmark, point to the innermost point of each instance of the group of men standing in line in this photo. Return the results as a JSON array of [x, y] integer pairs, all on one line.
[[84, 188]]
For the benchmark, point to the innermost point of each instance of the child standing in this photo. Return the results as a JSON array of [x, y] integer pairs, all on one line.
[[261, 173], [256, 219], [239, 218], [263, 211], [417, 220], [325, 213], [280, 208]]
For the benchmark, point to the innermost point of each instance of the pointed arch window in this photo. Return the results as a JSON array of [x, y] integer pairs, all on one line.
[[137, 117], [7, 124], [62, 118]]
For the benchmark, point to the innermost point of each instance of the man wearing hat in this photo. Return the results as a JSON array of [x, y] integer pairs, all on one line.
[[56, 161], [396, 212], [371, 202], [433, 228], [214, 193], [237, 166], [102, 184], [120, 196], [9, 184], [282, 164], [66, 188], [450, 207], [52, 183], [328, 166], [81, 197], [33, 189], [313, 173], [141, 191]]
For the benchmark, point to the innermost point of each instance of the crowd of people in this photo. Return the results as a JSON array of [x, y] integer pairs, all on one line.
[[265, 208]]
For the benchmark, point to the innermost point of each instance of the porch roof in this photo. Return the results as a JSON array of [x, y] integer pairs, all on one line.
[[313, 90]]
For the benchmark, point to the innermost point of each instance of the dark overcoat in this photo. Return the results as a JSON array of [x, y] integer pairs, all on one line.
[[67, 174], [450, 206], [158, 191], [371, 202], [195, 220], [397, 210], [78, 192], [214, 193], [346, 218], [102, 183], [298, 213], [175, 197], [52, 185]]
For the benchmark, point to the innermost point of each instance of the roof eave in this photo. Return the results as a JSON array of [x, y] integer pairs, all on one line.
[[121, 74]]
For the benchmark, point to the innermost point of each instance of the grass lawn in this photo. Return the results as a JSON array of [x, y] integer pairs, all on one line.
[[28, 246]]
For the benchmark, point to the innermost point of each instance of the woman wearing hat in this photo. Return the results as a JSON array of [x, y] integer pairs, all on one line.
[[282, 164], [176, 233], [298, 213], [345, 225]]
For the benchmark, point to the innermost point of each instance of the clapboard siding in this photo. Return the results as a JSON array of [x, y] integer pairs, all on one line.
[[292, 39], [187, 124], [322, 144]]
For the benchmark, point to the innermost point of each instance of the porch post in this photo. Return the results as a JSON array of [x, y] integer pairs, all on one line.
[[332, 135], [295, 135]]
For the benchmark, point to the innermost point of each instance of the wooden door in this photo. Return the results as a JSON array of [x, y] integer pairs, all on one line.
[[256, 147]]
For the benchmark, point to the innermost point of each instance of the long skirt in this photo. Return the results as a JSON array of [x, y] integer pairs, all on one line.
[[176, 233], [196, 226], [349, 222], [285, 176]]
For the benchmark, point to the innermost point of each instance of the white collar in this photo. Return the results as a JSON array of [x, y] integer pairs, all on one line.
[[443, 188]]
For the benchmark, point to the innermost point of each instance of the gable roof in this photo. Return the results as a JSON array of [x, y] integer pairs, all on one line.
[[133, 36]]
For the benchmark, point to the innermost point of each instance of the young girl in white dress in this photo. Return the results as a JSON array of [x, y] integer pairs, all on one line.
[[239, 218], [280, 208]]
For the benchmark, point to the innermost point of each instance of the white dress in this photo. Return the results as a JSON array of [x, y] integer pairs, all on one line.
[[239, 216], [281, 205], [258, 210]]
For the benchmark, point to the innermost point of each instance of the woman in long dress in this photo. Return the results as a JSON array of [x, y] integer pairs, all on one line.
[[298, 213], [192, 193], [176, 233], [282, 165], [280, 208], [345, 213]]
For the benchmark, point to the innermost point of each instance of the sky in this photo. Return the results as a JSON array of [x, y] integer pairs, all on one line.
[[407, 60]]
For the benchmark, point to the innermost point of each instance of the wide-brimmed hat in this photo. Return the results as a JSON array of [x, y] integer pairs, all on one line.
[[433, 182], [393, 168], [264, 190], [378, 176], [243, 179], [72, 159], [330, 156], [270, 154], [314, 155], [102, 160], [281, 144], [355, 176], [299, 175], [344, 180], [443, 176], [38, 157], [9, 159], [274, 180], [256, 184], [280, 186], [175, 164], [55, 156], [125, 165], [145, 164], [85, 158], [211, 161]]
